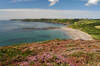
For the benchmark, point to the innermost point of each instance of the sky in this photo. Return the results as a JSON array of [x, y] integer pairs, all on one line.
[[19, 9]]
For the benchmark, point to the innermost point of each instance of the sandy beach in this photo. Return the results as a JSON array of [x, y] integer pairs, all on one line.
[[77, 34]]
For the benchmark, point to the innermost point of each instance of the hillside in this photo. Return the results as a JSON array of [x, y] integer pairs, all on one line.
[[89, 26], [52, 53]]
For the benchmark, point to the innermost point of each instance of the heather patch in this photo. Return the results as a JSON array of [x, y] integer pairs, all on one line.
[[52, 53]]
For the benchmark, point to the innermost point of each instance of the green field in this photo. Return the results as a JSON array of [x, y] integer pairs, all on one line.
[[91, 27]]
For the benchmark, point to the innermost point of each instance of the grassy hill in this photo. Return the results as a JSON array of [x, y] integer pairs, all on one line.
[[89, 26], [52, 53]]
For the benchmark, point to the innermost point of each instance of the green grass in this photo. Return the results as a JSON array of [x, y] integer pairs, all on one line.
[[88, 26], [14, 54], [19, 54]]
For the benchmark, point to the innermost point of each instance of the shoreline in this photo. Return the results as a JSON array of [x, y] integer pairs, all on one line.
[[77, 34]]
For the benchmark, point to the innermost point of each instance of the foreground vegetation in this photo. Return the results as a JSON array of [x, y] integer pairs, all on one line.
[[52, 53]]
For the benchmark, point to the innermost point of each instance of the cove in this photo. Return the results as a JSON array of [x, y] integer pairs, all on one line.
[[15, 32]]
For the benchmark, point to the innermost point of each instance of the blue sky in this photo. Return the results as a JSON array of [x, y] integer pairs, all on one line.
[[44, 4], [10, 8]]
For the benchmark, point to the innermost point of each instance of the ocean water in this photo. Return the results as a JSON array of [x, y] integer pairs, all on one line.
[[11, 32]]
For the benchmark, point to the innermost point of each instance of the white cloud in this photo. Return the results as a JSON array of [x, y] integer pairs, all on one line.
[[53, 2], [92, 2], [46, 13]]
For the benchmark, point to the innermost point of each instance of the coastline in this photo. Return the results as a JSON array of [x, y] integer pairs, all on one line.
[[77, 34]]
